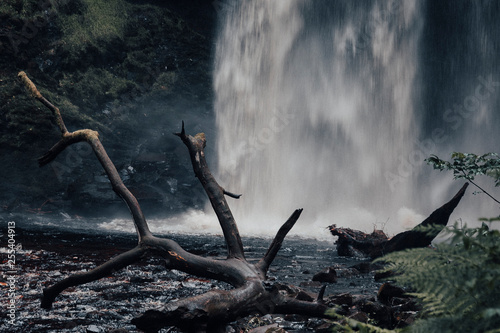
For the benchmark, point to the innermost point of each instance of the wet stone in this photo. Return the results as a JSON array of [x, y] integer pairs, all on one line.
[[112, 302], [328, 275], [363, 267], [273, 328], [387, 292], [360, 316], [343, 299], [94, 329]]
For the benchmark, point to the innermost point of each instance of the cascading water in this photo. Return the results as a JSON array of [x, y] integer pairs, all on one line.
[[319, 104]]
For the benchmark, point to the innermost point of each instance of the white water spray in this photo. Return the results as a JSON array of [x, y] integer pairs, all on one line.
[[313, 108]]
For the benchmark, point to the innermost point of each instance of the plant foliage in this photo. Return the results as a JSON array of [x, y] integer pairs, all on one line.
[[458, 282], [19, 10], [468, 166], [95, 24]]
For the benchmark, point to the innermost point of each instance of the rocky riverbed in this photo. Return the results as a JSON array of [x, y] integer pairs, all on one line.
[[46, 254]]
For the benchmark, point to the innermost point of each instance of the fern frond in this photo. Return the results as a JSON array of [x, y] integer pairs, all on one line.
[[458, 283]]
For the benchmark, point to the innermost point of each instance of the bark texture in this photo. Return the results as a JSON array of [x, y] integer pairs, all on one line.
[[356, 243]]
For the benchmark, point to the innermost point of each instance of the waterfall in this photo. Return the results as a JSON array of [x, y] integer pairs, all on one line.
[[321, 105]]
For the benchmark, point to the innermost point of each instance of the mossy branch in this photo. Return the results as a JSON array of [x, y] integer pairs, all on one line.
[[36, 94], [92, 138]]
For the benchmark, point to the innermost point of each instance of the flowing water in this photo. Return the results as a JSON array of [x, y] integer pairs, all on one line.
[[333, 105], [326, 105], [48, 254]]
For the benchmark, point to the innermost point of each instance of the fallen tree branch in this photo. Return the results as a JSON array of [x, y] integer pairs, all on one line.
[[271, 253], [92, 138], [250, 295], [107, 269], [376, 244], [416, 238], [215, 192]]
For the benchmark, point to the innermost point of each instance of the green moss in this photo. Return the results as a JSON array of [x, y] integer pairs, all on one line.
[[138, 62], [165, 81], [22, 122], [94, 25], [18, 9], [95, 86], [99, 57]]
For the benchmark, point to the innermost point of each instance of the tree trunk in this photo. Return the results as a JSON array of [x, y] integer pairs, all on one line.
[[357, 243], [198, 313]]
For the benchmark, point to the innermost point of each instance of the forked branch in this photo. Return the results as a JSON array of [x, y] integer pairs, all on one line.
[[250, 294], [92, 138], [214, 191]]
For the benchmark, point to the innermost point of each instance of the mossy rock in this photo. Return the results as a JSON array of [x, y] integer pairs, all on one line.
[[108, 66]]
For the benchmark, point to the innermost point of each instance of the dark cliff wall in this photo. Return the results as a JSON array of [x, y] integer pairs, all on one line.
[[133, 70]]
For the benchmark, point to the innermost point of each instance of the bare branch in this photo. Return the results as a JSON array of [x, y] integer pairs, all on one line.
[[268, 258], [321, 294], [214, 307], [223, 306], [104, 270], [36, 94], [67, 140], [92, 138], [215, 192], [233, 271], [232, 195]]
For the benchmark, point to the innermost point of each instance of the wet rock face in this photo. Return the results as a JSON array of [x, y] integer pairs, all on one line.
[[134, 89]]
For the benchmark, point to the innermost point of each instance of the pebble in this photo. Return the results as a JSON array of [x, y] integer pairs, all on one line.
[[94, 329]]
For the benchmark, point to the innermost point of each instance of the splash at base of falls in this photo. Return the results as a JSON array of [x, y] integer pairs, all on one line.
[[197, 222]]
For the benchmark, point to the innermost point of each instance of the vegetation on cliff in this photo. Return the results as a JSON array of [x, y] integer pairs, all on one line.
[[105, 63]]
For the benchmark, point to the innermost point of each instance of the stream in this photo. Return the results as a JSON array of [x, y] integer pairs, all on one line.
[[47, 250]]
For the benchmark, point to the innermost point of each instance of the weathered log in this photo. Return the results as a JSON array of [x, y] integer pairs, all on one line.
[[417, 238], [356, 243], [204, 312]]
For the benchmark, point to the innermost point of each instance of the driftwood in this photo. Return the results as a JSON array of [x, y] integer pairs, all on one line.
[[356, 243], [206, 312]]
